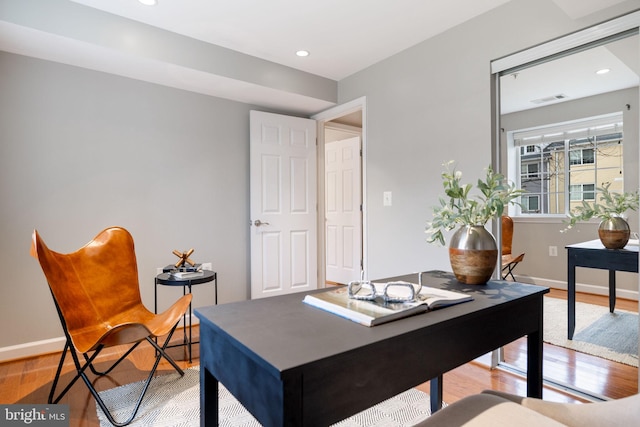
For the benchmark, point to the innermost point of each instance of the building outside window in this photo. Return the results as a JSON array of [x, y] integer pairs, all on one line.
[[561, 165], [579, 192]]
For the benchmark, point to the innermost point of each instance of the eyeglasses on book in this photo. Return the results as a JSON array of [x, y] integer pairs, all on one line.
[[391, 292]]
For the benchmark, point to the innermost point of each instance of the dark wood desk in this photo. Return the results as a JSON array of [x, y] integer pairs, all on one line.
[[291, 364], [593, 254]]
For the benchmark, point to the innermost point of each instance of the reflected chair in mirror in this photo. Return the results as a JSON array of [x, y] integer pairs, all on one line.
[[97, 295], [509, 261]]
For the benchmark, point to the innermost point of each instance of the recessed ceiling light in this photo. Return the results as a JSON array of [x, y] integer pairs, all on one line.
[[603, 71], [148, 2], [302, 53]]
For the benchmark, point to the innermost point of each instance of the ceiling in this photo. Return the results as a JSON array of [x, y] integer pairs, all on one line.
[[573, 77], [343, 37]]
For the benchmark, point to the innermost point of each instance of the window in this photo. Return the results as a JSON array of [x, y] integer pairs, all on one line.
[[579, 192], [531, 171], [581, 157], [561, 165], [531, 203]]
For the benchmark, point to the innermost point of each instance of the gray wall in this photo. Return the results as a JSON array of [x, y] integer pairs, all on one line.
[[431, 104], [534, 236], [82, 150]]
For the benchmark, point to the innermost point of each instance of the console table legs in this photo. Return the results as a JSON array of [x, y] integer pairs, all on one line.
[[571, 299], [612, 290]]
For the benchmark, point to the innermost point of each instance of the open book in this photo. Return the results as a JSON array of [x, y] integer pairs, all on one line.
[[378, 311]]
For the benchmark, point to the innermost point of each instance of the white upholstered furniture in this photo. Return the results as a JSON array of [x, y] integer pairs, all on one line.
[[496, 409]]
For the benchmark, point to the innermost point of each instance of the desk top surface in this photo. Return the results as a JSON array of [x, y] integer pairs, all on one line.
[[289, 333], [597, 245]]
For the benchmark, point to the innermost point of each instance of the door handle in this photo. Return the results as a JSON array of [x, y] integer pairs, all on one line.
[[258, 223]]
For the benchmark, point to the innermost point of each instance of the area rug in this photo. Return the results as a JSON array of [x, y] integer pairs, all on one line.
[[612, 336], [173, 401]]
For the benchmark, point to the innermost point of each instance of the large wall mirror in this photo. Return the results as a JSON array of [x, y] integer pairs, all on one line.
[[574, 99]]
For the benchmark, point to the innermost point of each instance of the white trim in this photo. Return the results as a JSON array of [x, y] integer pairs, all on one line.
[[571, 41], [580, 287], [356, 131], [358, 104], [342, 110], [31, 349], [54, 345], [544, 219]]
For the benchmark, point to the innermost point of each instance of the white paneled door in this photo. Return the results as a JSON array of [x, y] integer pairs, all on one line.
[[343, 226], [283, 204]]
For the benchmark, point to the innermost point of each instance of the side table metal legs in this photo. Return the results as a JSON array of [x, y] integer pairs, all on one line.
[[167, 280]]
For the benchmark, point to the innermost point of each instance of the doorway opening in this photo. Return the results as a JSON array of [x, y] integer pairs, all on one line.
[[341, 195]]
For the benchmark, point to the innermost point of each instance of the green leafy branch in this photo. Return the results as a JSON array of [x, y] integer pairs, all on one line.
[[459, 208], [611, 205]]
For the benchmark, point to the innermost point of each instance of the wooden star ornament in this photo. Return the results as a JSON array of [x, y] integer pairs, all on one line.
[[184, 258]]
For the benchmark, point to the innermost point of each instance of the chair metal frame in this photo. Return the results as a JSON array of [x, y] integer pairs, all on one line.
[[508, 261], [509, 264], [89, 359]]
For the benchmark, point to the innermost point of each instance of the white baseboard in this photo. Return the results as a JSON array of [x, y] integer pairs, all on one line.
[[580, 287], [52, 345], [31, 349]]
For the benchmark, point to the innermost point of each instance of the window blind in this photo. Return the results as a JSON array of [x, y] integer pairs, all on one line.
[[595, 126]]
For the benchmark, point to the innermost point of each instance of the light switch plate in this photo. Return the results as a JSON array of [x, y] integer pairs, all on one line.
[[386, 198]]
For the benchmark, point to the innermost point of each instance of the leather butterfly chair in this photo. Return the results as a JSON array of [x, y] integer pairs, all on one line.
[[97, 296], [509, 262]]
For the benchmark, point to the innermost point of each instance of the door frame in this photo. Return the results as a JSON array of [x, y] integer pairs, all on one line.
[[358, 104]]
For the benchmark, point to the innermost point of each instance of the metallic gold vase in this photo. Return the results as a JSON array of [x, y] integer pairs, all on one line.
[[473, 254], [614, 233]]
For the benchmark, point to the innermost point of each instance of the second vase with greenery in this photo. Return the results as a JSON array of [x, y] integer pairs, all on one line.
[[613, 231], [473, 252]]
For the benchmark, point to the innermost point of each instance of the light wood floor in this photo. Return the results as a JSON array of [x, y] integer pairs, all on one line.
[[29, 380]]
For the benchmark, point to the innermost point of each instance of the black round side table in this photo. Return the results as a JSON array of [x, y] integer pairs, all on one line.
[[167, 279]]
